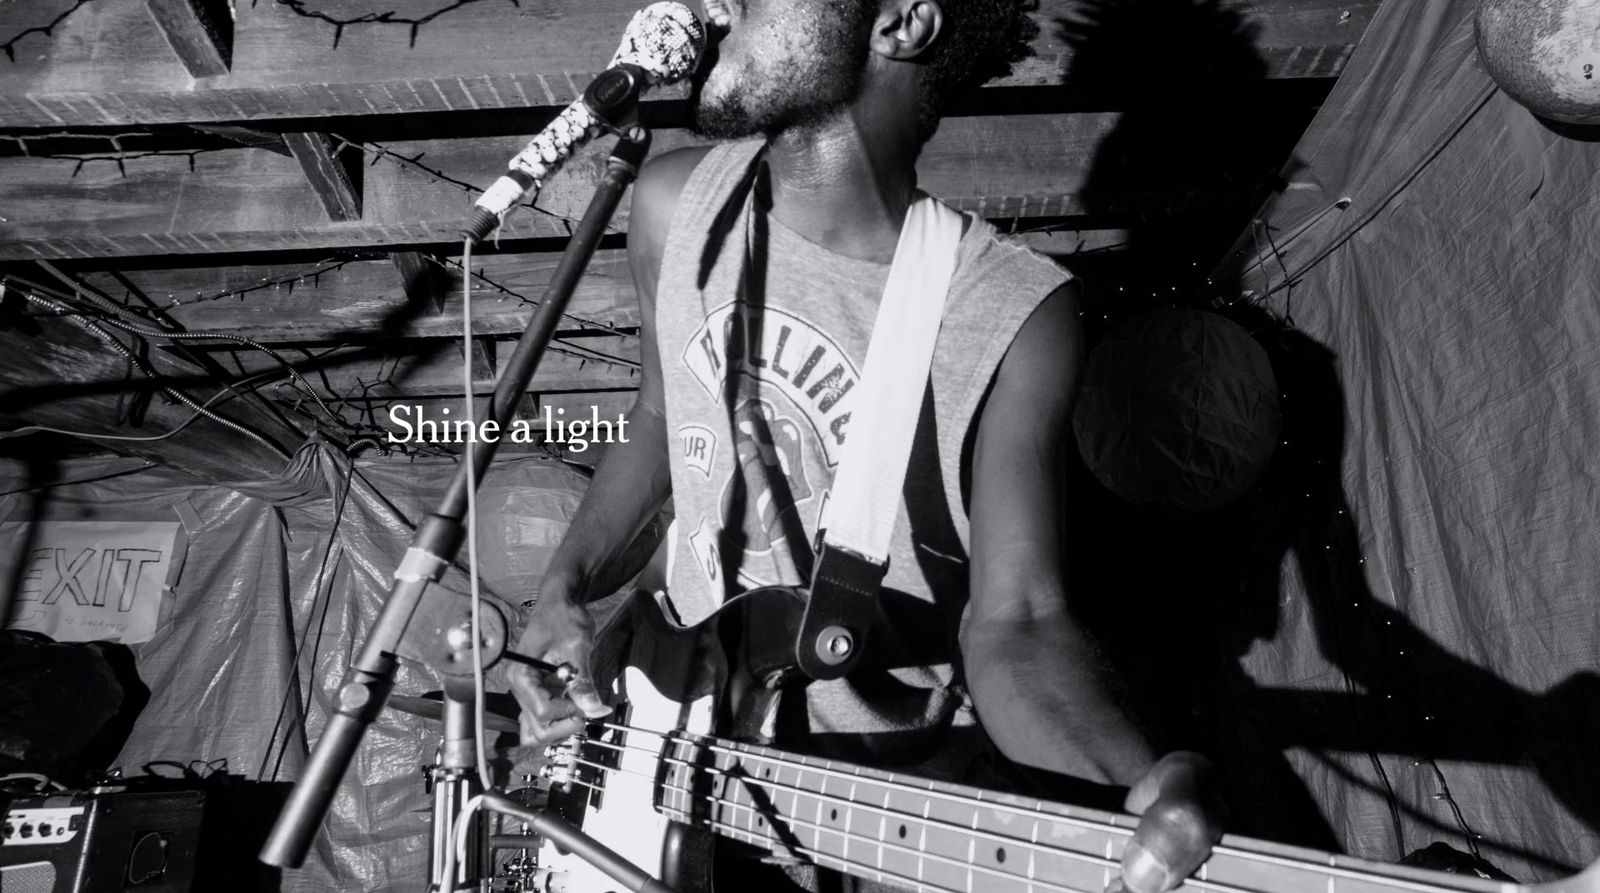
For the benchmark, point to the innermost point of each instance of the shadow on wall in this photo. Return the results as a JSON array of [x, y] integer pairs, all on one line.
[[1201, 126], [1204, 127], [1217, 590]]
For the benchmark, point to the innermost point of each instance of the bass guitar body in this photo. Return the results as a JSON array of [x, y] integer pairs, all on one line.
[[718, 679], [683, 763]]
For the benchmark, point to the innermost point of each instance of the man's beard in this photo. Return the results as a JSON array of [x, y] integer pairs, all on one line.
[[820, 74]]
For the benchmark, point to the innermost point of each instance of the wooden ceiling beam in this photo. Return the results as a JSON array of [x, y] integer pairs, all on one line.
[[200, 32], [415, 193], [334, 180], [108, 64]]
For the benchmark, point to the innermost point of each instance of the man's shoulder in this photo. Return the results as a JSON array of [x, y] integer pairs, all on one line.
[[986, 252], [661, 181], [665, 179]]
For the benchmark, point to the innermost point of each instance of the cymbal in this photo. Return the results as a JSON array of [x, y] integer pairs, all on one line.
[[499, 710]]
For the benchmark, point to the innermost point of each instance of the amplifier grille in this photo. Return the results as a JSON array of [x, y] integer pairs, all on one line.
[[34, 877]]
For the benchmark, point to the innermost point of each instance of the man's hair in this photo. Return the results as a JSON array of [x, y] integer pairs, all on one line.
[[980, 41]]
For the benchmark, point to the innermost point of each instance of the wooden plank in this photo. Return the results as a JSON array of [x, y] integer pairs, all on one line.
[[200, 32], [107, 63], [333, 180], [419, 277], [250, 200], [363, 300]]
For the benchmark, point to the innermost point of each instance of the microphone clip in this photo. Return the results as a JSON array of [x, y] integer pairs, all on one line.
[[613, 96]]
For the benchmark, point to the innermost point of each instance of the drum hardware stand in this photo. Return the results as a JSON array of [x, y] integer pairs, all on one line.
[[434, 620], [454, 780]]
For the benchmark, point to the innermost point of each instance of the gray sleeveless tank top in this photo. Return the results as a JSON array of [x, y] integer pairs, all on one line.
[[762, 334]]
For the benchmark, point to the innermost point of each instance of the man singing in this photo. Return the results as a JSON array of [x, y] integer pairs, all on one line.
[[760, 264]]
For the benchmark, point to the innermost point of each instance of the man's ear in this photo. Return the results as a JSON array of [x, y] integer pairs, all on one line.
[[905, 29]]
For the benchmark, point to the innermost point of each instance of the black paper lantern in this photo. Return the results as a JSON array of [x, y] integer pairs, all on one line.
[[1178, 411]]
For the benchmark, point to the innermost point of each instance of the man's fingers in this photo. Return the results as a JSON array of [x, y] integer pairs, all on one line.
[[1174, 837], [1181, 816], [586, 698], [533, 731]]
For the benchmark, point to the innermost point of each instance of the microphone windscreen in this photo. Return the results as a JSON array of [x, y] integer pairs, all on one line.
[[665, 39]]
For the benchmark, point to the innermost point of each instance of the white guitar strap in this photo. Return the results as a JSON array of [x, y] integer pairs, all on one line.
[[864, 502]]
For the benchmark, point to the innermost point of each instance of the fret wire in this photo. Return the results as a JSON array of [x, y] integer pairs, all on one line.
[[922, 837], [712, 744]]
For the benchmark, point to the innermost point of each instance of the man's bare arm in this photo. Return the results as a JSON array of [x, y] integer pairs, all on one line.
[[632, 481], [1037, 677], [1042, 690], [627, 491]]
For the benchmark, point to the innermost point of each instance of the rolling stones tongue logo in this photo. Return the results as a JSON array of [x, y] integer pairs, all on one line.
[[771, 480]]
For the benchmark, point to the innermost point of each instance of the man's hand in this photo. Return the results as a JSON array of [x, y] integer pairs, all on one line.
[[559, 630], [1181, 816]]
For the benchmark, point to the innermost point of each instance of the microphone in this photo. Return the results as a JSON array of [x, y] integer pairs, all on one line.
[[663, 44]]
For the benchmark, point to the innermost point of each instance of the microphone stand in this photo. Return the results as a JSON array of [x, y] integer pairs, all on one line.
[[366, 684]]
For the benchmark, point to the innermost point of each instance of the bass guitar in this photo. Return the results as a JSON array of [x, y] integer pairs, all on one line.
[[673, 771]]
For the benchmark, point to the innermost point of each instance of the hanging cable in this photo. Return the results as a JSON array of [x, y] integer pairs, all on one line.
[[143, 366], [472, 519], [31, 429], [293, 685], [145, 331]]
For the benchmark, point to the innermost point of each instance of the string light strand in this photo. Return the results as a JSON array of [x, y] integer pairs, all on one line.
[[10, 45], [388, 17]]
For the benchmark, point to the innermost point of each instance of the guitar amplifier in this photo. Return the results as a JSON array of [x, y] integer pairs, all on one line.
[[101, 841]]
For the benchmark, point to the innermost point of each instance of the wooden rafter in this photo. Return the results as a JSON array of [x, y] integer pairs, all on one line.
[[200, 32], [114, 67], [333, 179], [1018, 166]]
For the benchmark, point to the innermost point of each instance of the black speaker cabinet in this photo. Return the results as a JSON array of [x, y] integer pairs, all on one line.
[[106, 841]]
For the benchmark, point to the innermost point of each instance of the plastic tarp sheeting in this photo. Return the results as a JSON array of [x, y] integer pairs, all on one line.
[[274, 566], [1440, 243]]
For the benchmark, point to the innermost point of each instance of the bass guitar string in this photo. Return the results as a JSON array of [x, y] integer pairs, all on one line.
[[932, 822], [1330, 869], [849, 835], [1033, 848]]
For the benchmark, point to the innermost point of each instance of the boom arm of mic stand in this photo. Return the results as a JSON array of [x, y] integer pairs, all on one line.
[[366, 686]]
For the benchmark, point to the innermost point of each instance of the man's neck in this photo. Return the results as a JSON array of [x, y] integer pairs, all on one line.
[[843, 185]]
